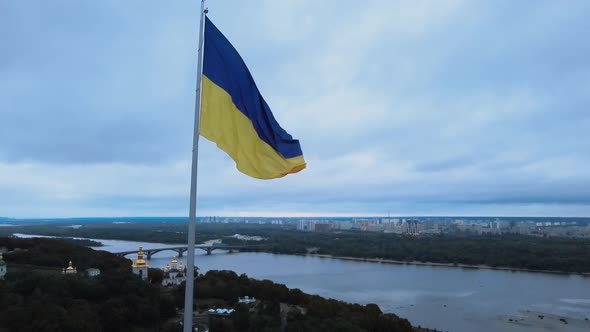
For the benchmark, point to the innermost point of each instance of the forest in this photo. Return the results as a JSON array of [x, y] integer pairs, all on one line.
[[511, 251], [35, 296]]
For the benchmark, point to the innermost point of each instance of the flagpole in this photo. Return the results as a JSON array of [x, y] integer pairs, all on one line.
[[190, 256]]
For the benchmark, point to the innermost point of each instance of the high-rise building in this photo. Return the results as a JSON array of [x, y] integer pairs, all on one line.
[[323, 227], [306, 225], [413, 226]]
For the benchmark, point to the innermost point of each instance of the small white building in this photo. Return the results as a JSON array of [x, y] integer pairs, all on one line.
[[92, 272], [174, 273], [220, 312], [2, 267], [140, 265], [246, 300]]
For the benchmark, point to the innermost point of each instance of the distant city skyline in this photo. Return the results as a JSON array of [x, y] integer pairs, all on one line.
[[417, 108]]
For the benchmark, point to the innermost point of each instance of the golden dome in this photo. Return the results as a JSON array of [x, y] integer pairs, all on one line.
[[140, 262], [70, 269]]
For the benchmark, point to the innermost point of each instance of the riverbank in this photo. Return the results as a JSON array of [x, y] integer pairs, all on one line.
[[350, 258], [57, 298], [510, 251], [461, 300], [458, 265]]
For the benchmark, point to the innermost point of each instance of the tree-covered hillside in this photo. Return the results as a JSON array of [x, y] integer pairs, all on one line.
[[36, 296]]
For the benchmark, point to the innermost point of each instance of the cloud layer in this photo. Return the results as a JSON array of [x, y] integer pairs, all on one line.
[[412, 107]]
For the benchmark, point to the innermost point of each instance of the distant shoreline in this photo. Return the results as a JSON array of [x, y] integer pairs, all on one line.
[[373, 260], [465, 266]]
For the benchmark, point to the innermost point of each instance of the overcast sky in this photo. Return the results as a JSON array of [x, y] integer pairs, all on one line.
[[408, 107]]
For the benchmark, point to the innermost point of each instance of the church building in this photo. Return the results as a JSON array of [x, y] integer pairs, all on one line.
[[70, 269], [174, 273], [140, 266]]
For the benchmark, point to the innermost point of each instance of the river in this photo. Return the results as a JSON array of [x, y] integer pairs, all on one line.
[[445, 298]]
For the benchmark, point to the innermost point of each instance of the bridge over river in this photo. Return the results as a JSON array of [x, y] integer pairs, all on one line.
[[182, 249]]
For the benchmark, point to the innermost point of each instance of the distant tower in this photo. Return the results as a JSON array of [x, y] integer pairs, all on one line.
[[140, 266], [2, 267], [70, 269]]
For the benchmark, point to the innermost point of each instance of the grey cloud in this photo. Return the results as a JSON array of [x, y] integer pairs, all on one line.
[[90, 84], [454, 107]]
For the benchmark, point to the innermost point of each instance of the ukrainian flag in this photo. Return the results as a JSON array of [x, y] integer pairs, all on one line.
[[236, 118]]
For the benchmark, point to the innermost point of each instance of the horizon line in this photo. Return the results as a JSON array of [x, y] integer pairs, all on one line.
[[289, 216]]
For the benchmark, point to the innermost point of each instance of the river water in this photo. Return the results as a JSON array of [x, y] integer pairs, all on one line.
[[445, 298]]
